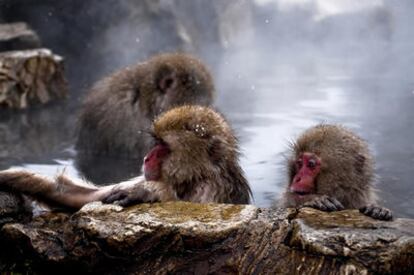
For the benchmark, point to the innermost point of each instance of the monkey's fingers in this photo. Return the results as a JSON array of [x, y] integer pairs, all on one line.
[[115, 196], [321, 204], [376, 212], [316, 203], [330, 205], [337, 204], [123, 199], [325, 203], [124, 202]]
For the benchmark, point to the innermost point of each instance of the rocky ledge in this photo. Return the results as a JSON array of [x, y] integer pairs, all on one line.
[[181, 237]]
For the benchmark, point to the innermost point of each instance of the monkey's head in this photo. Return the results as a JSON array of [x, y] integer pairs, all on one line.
[[329, 160], [192, 144], [172, 80]]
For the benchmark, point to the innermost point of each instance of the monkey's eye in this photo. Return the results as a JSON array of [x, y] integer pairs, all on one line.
[[312, 163], [299, 163]]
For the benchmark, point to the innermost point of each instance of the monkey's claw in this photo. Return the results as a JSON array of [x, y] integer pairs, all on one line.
[[115, 196], [129, 197], [325, 203], [376, 212]]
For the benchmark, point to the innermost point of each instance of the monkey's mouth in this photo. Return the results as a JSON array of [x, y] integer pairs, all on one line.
[[301, 193]]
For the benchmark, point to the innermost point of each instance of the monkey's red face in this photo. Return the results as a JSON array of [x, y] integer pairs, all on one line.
[[153, 161], [307, 166]]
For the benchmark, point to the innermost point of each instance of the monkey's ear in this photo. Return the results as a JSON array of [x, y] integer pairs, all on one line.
[[168, 82]]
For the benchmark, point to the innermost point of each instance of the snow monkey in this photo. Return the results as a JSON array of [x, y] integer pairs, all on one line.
[[193, 157], [331, 169], [120, 107]]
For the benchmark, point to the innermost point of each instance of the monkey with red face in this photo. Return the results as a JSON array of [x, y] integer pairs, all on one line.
[[194, 158], [331, 169]]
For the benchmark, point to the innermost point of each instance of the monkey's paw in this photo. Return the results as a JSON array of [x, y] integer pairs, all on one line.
[[377, 212], [129, 197], [324, 203]]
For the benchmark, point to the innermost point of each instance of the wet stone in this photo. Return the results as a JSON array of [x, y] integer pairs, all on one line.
[[182, 237], [31, 77]]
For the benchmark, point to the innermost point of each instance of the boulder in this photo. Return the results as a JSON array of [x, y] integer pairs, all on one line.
[[182, 237], [30, 77], [13, 207]]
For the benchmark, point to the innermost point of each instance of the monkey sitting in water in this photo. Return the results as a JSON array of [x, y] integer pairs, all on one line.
[[194, 157], [331, 169], [118, 111], [120, 107]]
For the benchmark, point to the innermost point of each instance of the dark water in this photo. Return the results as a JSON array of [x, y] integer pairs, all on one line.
[[268, 105]]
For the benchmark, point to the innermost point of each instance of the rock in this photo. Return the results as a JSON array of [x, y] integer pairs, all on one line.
[[30, 77], [13, 207], [17, 36], [181, 237]]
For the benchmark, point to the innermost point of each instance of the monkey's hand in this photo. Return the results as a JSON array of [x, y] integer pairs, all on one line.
[[376, 212], [324, 203], [134, 195]]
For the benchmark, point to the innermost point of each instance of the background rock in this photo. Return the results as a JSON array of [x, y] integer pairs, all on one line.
[[30, 77]]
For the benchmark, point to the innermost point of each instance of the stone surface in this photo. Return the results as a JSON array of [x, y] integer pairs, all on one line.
[[17, 36], [13, 207], [30, 77], [181, 237]]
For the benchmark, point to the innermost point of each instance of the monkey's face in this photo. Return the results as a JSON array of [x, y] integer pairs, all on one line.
[[304, 171], [153, 161], [328, 160], [193, 143]]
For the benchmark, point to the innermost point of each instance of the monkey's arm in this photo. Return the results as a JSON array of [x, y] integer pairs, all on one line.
[[61, 191], [140, 191]]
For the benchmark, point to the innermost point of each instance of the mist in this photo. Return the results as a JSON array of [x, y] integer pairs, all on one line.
[[280, 66]]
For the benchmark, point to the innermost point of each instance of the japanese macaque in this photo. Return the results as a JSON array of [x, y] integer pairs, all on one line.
[[194, 157], [331, 169], [120, 108]]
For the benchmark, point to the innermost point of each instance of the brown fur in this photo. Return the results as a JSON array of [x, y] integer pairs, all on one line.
[[206, 150], [203, 164], [202, 167], [347, 166], [119, 109], [346, 174]]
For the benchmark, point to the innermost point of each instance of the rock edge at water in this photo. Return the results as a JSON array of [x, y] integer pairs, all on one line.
[[182, 237]]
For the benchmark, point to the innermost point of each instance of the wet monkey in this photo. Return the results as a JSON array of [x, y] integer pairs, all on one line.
[[330, 169], [193, 157], [120, 107]]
